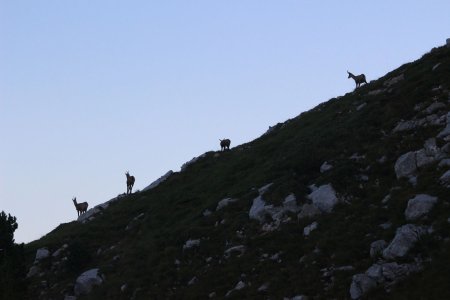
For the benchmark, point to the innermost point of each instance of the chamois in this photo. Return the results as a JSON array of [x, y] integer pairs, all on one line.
[[359, 79], [81, 207], [224, 144], [130, 182]]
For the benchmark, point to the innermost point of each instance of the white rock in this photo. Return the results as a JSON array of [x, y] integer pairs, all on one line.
[[406, 165], [324, 197], [308, 229], [191, 243], [225, 202], [361, 106], [240, 285], [264, 189], [258, 210], [325, 167], [405, 126], [193, 280], [435, 106], [405, 238], [86, 282], [419, 206], [376, 92], [158, 181], [445, 163], [41, 254], [435, 66], [240, 249], [264, 287], [290, 204]]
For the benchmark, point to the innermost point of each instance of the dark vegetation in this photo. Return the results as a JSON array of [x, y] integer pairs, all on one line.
[[153, 264], [12, 267]]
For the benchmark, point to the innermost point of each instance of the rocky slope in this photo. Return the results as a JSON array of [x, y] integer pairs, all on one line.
[[349, 200]]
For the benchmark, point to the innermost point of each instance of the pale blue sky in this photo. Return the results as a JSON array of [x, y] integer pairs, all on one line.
[[90, 89]]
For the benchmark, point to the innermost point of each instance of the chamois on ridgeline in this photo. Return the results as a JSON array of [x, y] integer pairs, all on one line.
[[130, 182], [224, 144], [80, 207], [359, 79]]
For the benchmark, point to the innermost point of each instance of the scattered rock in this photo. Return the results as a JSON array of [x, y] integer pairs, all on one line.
[[361, 106], [158, 181], [225, 202], [308, 211], [323, 197], [34, 270], [86, 282], [191, 243], [263, 288], [41, 254], [405, 238], [239, 250], [361, 284], [307, 230], [193, 280], [394, 80], [446, 131], [325, 167], [435, 106], [207, 213], [258, 210], [435, 66], [377, 247], [445, 163], [406, 165], [419, 206], [376, 92], [445, 178], [290, 204]]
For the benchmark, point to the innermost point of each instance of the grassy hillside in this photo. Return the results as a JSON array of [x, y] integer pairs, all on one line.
[[353, 133]]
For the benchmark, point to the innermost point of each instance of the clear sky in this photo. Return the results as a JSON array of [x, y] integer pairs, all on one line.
[[91, 89]]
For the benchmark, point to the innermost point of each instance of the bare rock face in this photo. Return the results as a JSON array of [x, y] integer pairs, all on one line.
[[405, 238], [419, 206], [86, 282]]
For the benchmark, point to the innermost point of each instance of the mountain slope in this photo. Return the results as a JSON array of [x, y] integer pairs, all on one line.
[[171, 242]]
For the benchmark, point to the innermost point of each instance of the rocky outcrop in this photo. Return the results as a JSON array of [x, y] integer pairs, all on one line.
[[405, 238], [225, 202], [87, 281], [377, 247], [419, 206], [323, 197], [158, 181], [361, 284]]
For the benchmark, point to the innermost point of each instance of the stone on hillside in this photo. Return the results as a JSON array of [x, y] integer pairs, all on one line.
[[308, 229], [394, 80], [323, 197], [325, 167], [446, 131], [89, 215], [361, 106], [406, 165], [290, 204], [377, 247], [419, 206], [60, 250], [435, 106], [405, 126], [391, 272], [158, 181], [405, 238], [435, 66], [225, 202], [191, 243], [193, 280], [86, 282], [238, 250], [41, 254], [34, 270], [445, 163], [445, 178], [264, 189], [361, 284], [258, 210]]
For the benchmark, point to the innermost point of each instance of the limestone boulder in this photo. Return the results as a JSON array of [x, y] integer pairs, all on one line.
[[419, 206], [405, 238], [87, 281], [324, 197]]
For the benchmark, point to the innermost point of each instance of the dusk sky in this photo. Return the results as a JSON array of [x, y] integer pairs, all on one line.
[[92, 89]]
